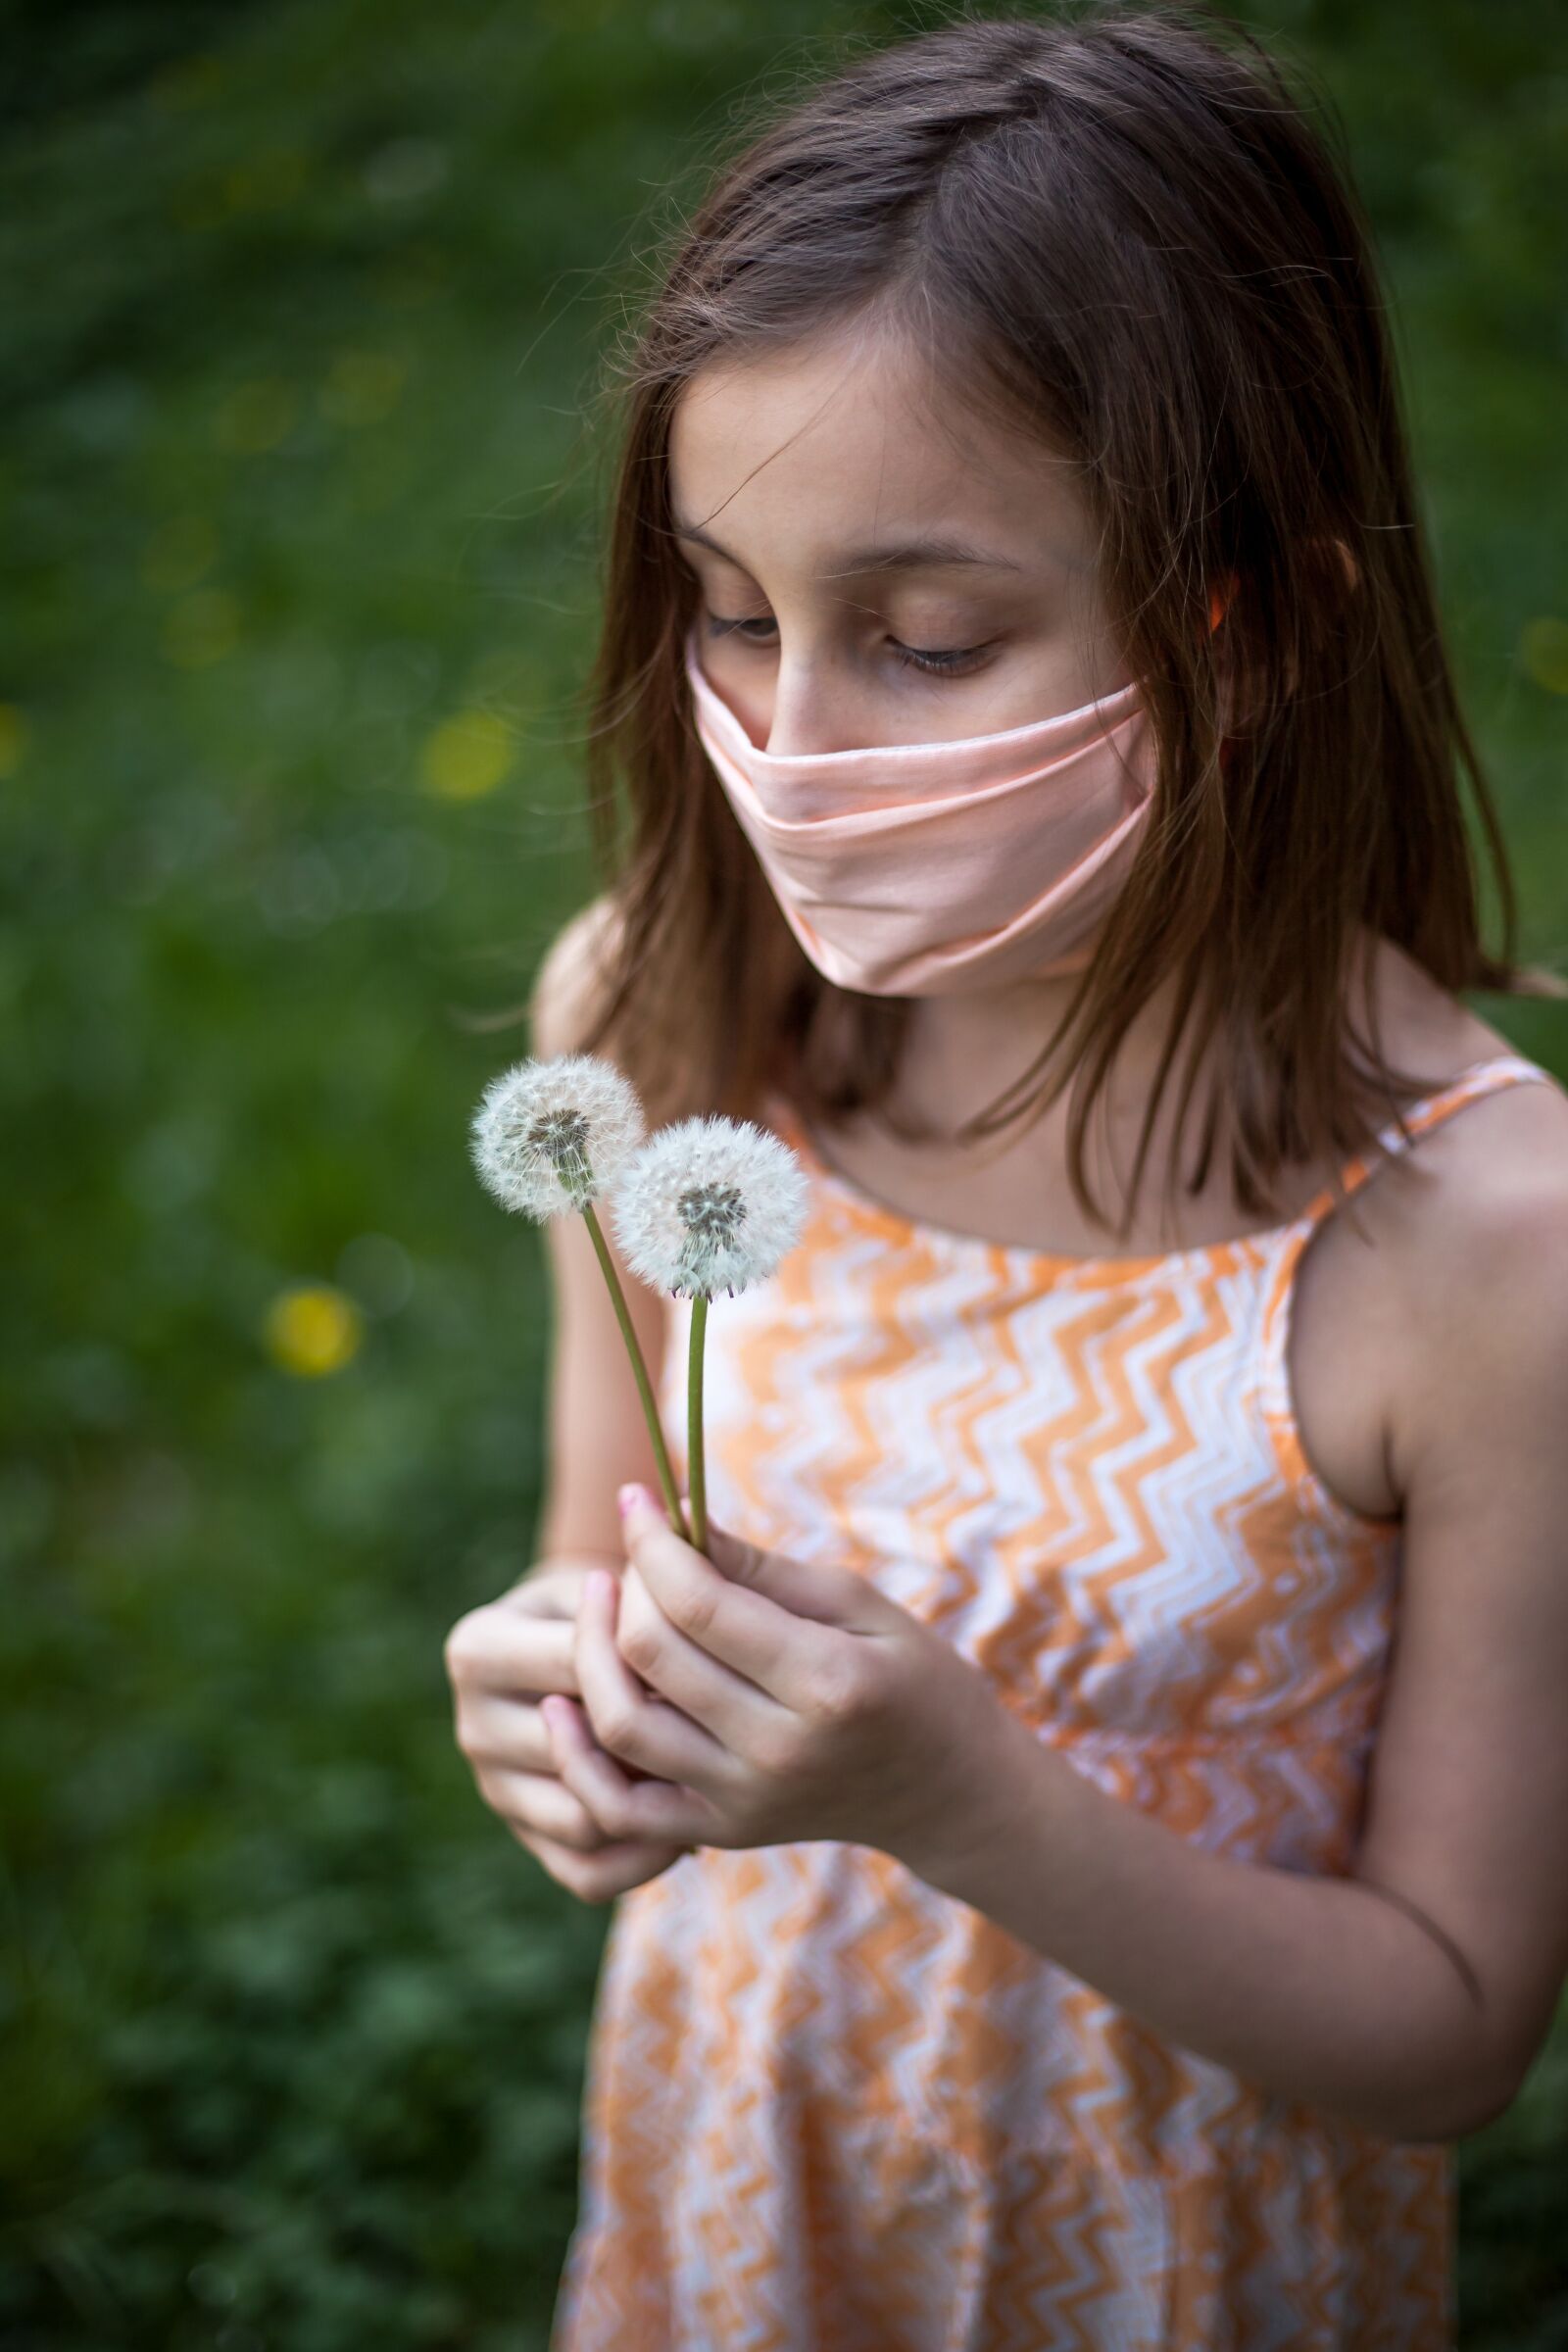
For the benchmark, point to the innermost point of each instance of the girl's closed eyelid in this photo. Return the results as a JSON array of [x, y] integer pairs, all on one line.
[[954, 662]]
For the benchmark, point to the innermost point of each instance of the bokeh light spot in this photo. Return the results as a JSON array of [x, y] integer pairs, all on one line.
[[13, 733], [362, 387], [404, 169], [203, 628], [189, 82], [1543, 650], [312, 1330], [274, 177], [255, 415], [467, 756]]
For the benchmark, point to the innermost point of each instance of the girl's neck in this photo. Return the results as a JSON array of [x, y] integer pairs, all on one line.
[[962, 1052]]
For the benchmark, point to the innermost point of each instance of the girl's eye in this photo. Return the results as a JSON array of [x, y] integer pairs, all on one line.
[[940, 665]]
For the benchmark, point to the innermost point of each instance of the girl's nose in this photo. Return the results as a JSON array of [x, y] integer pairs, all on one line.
[[804, 718]]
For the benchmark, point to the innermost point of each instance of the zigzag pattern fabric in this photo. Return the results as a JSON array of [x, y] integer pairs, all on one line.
[[829, 2109]]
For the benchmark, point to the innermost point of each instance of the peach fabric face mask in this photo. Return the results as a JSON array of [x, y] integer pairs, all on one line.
[[926, 868]]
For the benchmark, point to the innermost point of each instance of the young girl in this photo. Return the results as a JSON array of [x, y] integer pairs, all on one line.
[[1090, 1842]]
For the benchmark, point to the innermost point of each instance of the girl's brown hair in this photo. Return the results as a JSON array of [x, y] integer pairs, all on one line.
[[1227, 393]]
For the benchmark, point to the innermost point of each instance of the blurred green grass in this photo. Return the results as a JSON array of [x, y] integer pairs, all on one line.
[[300, 579]]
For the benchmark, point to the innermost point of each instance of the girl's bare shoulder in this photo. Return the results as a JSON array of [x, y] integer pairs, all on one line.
[[1471, 1224], [1390, 1299], [1494, 1166], [568, 986]]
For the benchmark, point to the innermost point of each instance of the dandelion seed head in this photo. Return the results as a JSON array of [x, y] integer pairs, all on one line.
[[550, 1137], [709, 1204]]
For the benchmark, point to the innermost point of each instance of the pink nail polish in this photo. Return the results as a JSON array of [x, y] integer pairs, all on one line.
[[628, 1497]]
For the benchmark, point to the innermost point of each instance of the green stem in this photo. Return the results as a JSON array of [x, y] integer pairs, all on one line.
[[696, 1479], [666, 1476]]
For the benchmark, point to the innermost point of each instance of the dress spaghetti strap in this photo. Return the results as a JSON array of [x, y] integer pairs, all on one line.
[[1481, 1078], [1317, 1499]]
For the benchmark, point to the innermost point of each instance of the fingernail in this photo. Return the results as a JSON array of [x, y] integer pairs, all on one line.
[[628, 1497]]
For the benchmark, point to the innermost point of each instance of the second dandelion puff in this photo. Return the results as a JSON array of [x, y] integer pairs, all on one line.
[[706, 1205], [550, 1137]]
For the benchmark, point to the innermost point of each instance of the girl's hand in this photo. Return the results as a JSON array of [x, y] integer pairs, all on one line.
[[794, 1701], [500, 1657]]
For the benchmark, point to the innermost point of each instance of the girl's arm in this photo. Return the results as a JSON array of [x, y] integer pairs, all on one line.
[[1412, 1996], [597, 1433]]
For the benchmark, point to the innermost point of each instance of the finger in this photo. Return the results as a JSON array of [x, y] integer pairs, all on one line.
[[816, 1589], [492, 1730], [547, 1588], [741, 1717], [542, 1802], [622, 1808], [599, 1878], [513, 1651], [495, 1731], [626, 1718], [778, 1651]]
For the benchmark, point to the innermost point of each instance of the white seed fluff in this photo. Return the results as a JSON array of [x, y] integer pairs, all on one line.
[[549, 1137], [709, 1204]]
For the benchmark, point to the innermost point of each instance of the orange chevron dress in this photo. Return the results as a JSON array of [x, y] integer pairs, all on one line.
[[829, 2109]]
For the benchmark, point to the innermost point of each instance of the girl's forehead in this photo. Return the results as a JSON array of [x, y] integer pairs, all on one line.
[[839, 449]]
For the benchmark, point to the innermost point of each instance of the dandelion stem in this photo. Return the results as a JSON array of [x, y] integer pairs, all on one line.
[[696, 1476], [666, 1476]]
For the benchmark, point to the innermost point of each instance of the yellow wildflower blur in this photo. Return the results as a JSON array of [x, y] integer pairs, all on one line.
[[202, 628], [255, 415], [188, 82], [271, 175], [12, 737], [362, 387], [313, 1328], [466, 755], [1543, 650]]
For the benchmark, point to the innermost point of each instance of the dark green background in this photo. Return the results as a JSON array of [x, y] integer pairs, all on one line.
[[300, 504]]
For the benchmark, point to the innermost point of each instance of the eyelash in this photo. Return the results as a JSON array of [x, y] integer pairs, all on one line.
[[930, 664]]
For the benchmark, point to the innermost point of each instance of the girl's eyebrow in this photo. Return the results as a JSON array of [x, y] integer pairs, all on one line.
[[901, 554]]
